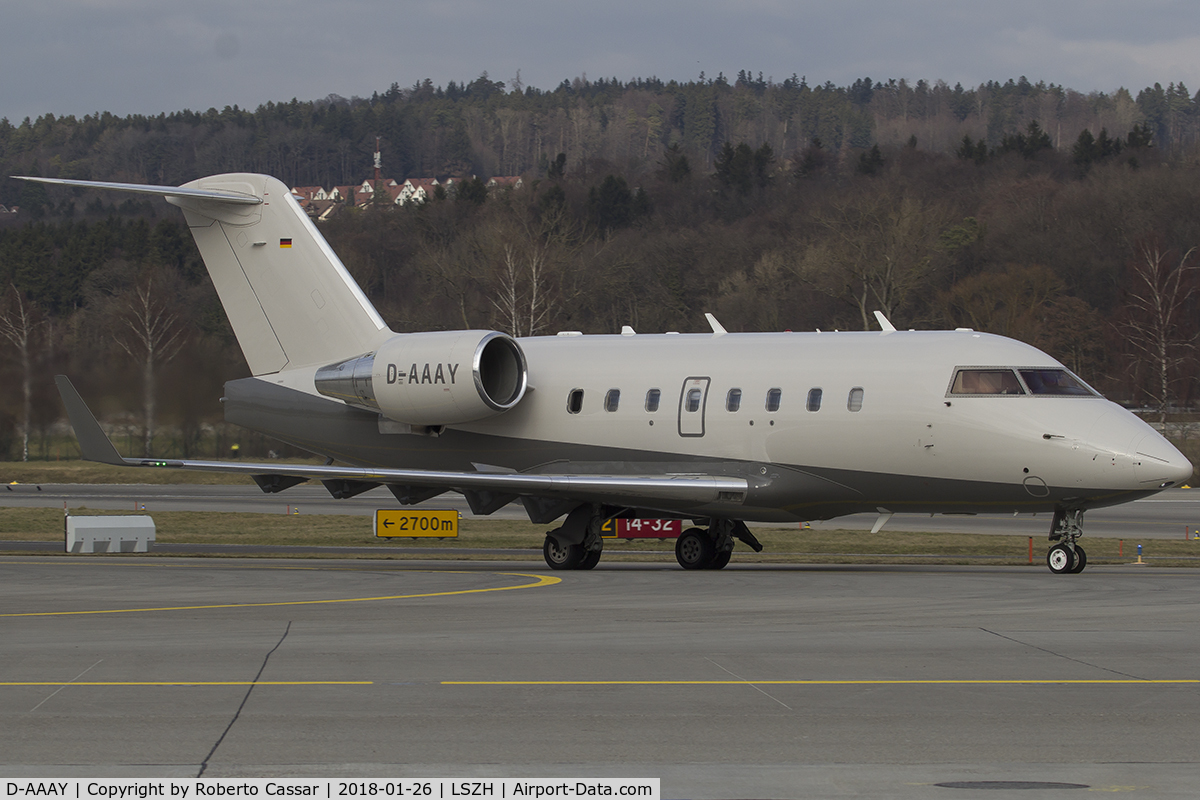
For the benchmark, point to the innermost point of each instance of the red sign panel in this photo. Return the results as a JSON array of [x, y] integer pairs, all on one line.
[[641, 529]]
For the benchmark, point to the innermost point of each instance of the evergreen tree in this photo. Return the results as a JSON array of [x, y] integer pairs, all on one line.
[[1085, 150], [1140, 136], [472, 192], [610, 205], [676, 168], [870, 162]]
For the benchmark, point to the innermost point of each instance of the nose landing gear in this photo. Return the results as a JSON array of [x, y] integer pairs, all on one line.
[[1067, 556]]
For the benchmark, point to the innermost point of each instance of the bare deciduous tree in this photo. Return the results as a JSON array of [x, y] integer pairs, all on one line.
[[151, 332], [455, 264], [878, 251], [20, 323], [1028, 302], [534, 254], [1162, 284], [1010, 302]]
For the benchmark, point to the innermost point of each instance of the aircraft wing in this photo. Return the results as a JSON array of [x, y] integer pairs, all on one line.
[[690, 489]]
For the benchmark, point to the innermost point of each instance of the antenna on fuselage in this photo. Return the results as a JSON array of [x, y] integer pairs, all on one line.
[[885, 325], [717, 328]]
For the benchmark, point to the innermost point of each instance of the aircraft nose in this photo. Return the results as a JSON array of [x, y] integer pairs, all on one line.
[[1158, 464]]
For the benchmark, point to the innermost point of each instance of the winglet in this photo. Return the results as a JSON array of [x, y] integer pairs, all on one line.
[[93, 444]]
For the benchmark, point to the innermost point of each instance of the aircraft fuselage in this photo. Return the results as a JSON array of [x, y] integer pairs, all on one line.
[[818, 424]]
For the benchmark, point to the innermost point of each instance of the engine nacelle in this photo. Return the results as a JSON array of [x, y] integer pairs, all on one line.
[[437, 378]]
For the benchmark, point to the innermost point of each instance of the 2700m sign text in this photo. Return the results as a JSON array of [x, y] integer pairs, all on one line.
[[403, 523]]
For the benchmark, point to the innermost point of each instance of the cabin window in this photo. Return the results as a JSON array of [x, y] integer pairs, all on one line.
[[575, 401], [854, 401], [612, 399], [652, 398], [987, 381], [1054, 381], [814, 400], [733, 400], [692, 401], [773, 398]]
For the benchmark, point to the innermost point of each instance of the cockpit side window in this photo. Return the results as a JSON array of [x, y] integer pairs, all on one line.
[[986, 381], [1054, 381]]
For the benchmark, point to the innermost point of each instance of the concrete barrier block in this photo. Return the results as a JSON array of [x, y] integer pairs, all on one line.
[[109, 534]]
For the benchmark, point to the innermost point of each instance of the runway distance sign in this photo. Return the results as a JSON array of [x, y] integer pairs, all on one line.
[[415, 523], [641, 529]]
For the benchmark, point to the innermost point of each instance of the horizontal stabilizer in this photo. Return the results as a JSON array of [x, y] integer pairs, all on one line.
[[235, 198]]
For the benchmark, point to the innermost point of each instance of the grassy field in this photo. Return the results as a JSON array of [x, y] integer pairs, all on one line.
[[92, 472], [781, 545]]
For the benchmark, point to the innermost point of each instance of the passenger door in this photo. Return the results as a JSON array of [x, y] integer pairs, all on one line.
[[692, 401]]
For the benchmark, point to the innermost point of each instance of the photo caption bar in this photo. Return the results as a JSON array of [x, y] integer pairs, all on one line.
[[326, 788]]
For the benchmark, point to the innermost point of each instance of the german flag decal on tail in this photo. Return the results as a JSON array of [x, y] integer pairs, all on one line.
[[285, 242]]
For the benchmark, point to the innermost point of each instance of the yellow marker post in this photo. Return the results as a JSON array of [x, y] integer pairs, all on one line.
[[416, 523]]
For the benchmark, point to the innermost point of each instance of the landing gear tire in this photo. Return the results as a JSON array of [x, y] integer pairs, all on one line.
[[590, 559], [1066, 528], [563, 556], [1060, 559], [694, 549], [721, 559], [1080, 560]]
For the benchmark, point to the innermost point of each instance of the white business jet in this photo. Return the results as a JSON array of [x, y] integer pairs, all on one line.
[[717, 428]]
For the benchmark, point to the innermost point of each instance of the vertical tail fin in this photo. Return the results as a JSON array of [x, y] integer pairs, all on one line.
[[289, 298]]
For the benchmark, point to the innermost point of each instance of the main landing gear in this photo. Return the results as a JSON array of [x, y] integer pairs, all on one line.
[[712, 547], [563, 555], [1067, 556], [578, 545]]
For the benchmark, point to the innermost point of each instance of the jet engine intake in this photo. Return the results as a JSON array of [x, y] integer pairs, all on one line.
[[436, 378]]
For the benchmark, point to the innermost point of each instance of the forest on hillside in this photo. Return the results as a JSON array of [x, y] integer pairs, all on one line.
[[488, 128], [1062, 219]]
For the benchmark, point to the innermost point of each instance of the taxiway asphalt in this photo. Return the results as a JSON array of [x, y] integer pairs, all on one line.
[[790, 681]]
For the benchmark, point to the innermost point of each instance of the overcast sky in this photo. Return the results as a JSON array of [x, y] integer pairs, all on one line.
[[148, 56]]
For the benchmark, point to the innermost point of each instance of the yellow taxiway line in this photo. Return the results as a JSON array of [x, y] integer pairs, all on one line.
[[187, 683], [539, 581], [970, 682], [929, 682]]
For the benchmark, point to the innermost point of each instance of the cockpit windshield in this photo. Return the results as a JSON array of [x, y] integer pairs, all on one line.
[[1032, 380], [1054, 381], [1004, 381], [986, 381]]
